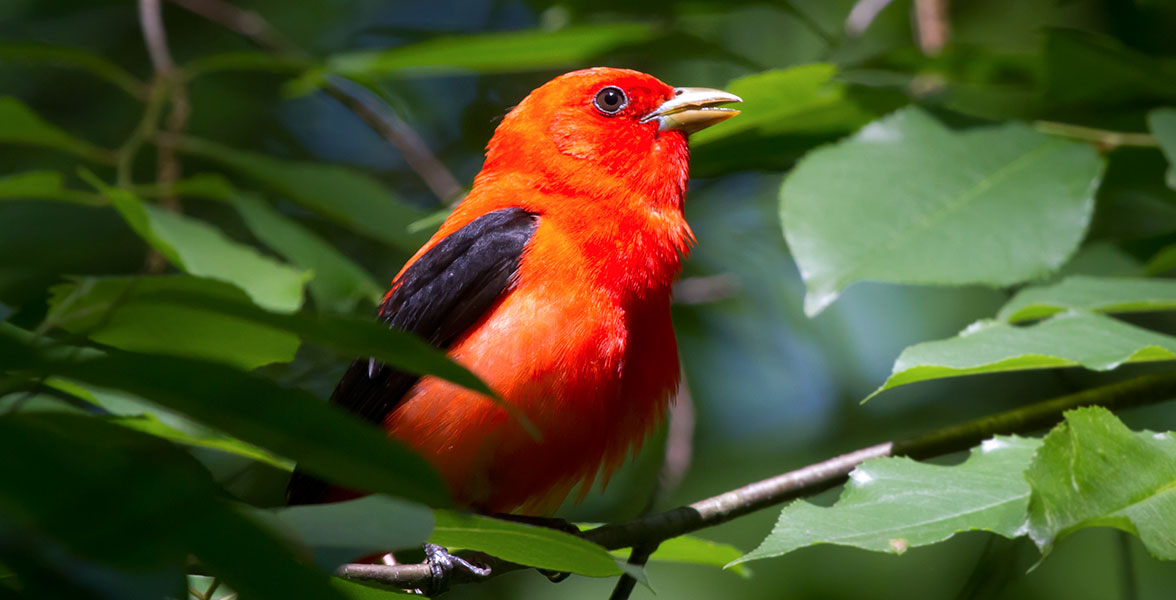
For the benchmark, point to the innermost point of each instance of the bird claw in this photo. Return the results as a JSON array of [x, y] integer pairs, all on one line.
[[442, 563]]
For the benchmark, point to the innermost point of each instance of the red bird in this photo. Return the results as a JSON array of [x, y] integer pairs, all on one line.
[[551, 281]]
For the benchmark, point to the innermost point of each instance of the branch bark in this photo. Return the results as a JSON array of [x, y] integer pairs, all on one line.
[[809, 480]]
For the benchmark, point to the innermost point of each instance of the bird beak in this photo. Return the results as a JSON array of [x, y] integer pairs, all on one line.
[[692, 109]]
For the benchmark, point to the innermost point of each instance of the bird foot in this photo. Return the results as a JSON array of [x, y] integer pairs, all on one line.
[[442, 564]]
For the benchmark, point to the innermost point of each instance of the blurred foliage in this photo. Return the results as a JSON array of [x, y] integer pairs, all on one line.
[[160, 371]]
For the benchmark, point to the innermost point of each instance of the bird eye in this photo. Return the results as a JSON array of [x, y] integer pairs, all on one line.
[[610, 100]]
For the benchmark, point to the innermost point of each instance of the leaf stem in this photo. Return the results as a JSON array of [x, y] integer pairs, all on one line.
[[1105, 139], [812, 479]]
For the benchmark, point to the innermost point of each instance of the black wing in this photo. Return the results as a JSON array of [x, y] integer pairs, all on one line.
[[438, 297]]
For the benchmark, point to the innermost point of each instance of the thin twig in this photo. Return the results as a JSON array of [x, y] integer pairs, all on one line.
[[933, 24], [815, 478], [637, 558], [361, 101], [1107, 140], [167, 166]]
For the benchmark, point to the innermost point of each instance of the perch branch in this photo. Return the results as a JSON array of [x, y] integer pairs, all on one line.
[[806, 481]]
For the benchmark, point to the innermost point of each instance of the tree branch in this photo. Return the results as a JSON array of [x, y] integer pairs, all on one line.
[[806, 481], [365, 104]]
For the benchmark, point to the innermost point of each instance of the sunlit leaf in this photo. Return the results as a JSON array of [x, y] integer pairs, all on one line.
[[529, 545], [1096, 294], [20, 125], [202, 250], [338, 283], [152, 425], [908, 200], [688, 549], [892, 504], [288, 422], [1092, 471], [503, 52], [73, 57], [1070, 339], [120, 312], [1162, 123], [342, 532], [339, 193], [783, 113]]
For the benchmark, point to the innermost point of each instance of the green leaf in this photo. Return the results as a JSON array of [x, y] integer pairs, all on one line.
[[202, 250], [1070, 339], [151, 424], [73, 57], [907, 200], [350, 336], [121, 312], [1084, 67], [326, 441], [1162, 122], [686, 549], [338, 283], [1095, 294], [20, 125], [341, 532], [505, 52], [134, 413], [1094, 472], [338, 193], [43, 185], [784, 113], [529, 545], [894, 503], [157, 505]]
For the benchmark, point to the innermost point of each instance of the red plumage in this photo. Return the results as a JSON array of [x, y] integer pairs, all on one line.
[[581, 340]]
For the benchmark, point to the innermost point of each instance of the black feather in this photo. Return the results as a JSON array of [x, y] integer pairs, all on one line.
[[441, 295]]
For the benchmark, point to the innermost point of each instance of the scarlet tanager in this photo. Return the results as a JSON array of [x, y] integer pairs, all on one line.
[[551, 281]]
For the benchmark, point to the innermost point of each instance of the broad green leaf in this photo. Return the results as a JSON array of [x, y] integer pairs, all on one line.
[[120, 312], [157, 506], [134, 413], [339, 193], [1092, 471], [894, 503], [342, 532], [1072, 339], [151, 424], [1162, 123], [783, 114], [350, 336], [42, 185], [908, 200], [687, 549], [1095, 294], [288, 422], [338, 283], [20, 125], [529, 545], [73, 57], [504, 52], [202, 250]]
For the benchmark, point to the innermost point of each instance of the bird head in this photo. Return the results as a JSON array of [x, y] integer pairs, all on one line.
[[606, 123]]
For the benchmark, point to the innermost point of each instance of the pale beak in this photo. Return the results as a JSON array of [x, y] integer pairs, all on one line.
[[692, 109]]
